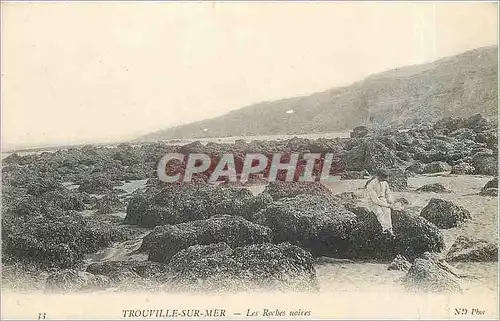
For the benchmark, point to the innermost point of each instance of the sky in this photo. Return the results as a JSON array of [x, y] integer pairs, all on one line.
[[86, 72]]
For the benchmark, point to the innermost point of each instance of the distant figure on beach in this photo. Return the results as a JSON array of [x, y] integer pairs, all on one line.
[[381, 200]]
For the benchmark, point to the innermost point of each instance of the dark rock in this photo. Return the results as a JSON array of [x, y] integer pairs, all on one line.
[[279, 189], [490, 188], [414, 236], [353, 175], [463, 169], [489, 192], [485, 164], [397, 180], [369, 154], [466, 249], [417, 168], [428, 276], [72, 280], [436, 167], [490, 138], [435, 188], [109, 203], [444, 213], [491, 184], [217, 267], [119, 270], [477, 123], [310, 222], [358, 132], [402, 201], [449, 123], [96, 184], [245, 207], [59, 239], [400, 263], [165, 241], [173, 204]]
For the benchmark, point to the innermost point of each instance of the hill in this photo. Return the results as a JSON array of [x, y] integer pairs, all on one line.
[[461, 85]]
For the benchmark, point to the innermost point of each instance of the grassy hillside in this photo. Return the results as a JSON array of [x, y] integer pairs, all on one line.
[[461, 85]]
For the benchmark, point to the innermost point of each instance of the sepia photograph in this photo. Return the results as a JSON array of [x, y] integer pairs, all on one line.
[[249, 160]]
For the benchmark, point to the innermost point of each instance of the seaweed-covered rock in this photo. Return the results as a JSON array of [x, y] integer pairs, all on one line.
[[165, 241], [402, 201], [428, 276], [109, 203], [358, 132], [435, 188], [489, 192], [444, 213], [466, 249], [173, 204], [397, 180], [463, 169], [417, 168], [59, 240], [414, 236], [246, 207], [449, 123], [96, 184], [490, 188], [369, 154], [436, 167], [400, 263], [491, 184], [310, 222], [119, 270], [217, 267], [353, 175], [279, 189], [72, 280], [485, 164]]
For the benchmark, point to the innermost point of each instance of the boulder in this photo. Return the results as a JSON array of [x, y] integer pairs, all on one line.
[[462, 169], [428, 276], [246, 207], [309, 222], [358, 132], [353, 175], [165, 241], [417, 168], [414, 236], [466, 249], [435, 188], [56, 239], [71, 280], [436, 167], [109, 203], [369, 154], [397, 180], [444, 213], [477, 123], [463, 134], [490, 188], [279, 189], [489, 192], [117, 271], [218, 267], [491, 184], [173, 204], [400, 263], [402, 201], [449, 123], [485, 164]]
